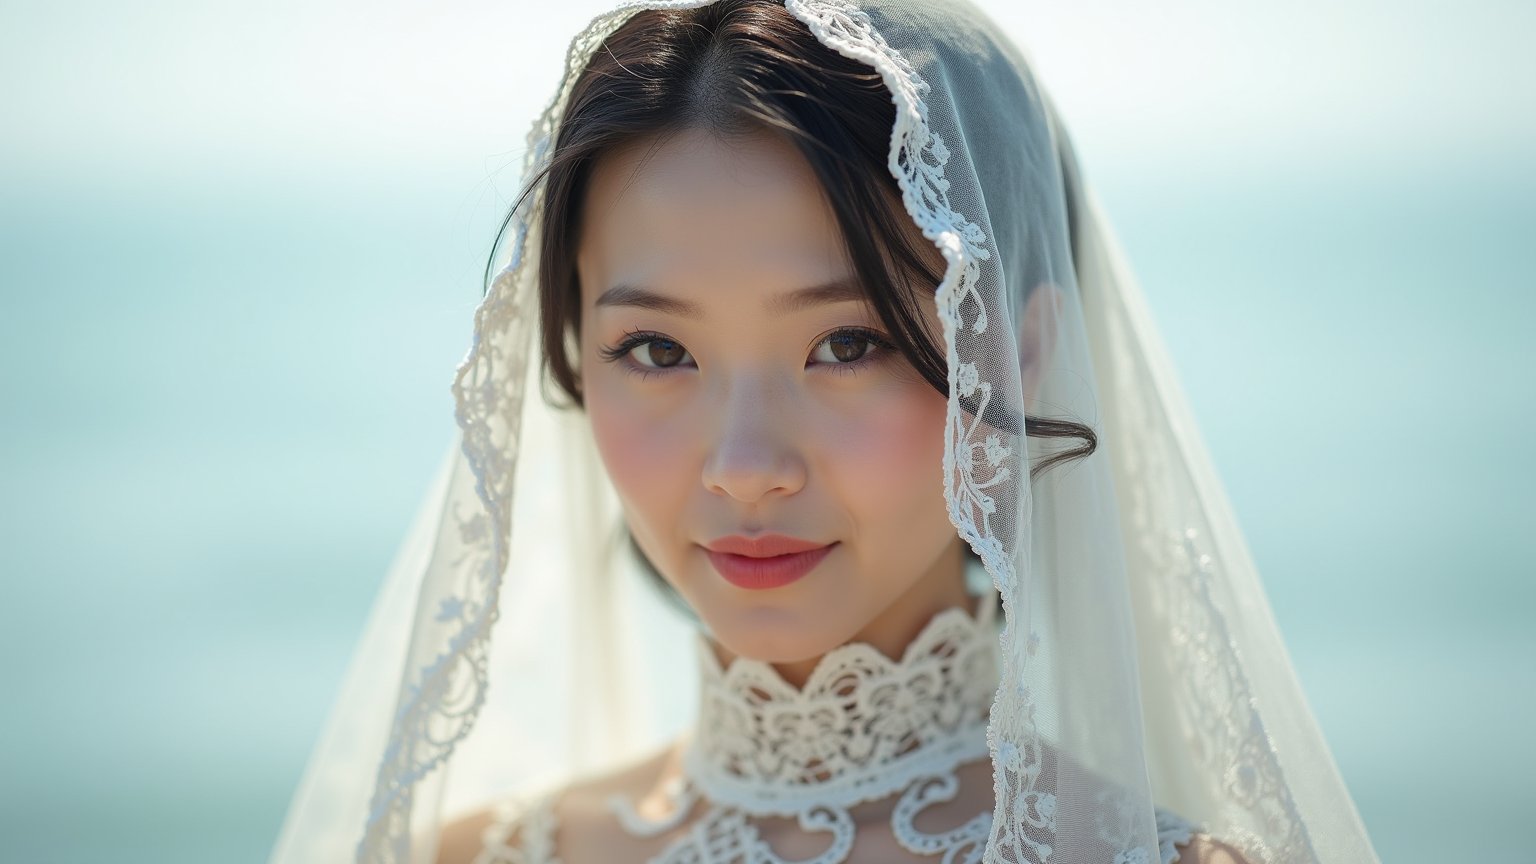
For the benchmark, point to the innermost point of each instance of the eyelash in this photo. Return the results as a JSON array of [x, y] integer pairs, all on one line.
[[635, 338]]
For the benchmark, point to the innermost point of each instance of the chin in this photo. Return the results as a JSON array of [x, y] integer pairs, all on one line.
[[776, 633]]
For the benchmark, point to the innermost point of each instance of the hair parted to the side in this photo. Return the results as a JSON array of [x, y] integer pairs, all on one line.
[[736, 67]]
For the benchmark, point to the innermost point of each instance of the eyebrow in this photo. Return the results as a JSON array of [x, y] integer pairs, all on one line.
[[837, 291]]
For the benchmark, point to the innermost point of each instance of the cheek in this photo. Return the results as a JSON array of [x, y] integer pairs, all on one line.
[[643, 450], [886, 461]]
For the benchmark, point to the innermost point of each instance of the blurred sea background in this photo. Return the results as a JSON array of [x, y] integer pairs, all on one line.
[[240, 245]]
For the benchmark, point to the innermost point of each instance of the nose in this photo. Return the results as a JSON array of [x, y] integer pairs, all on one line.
[[755, 452]]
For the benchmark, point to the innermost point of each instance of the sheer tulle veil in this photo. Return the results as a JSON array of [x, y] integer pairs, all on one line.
[[513, 645]]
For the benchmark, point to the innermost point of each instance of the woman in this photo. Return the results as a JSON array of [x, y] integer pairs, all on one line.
[[834, 334]]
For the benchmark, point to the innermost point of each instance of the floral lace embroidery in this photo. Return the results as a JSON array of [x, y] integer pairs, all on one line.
[[863, 727], [535, 825]]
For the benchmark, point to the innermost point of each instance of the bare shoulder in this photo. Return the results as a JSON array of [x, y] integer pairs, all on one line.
[[463, 838], [581, 827], [1205, 849], [590, 831]]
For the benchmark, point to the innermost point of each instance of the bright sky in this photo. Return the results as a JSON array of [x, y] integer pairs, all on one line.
[[91, 88]]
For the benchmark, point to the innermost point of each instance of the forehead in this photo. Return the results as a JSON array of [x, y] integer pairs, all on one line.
[[693, 208]]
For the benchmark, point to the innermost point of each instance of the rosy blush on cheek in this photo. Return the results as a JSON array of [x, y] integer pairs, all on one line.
[[884, 458], [890, 435], [644, 452]]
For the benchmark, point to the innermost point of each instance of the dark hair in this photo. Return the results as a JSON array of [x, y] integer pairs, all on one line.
[[736, 67]]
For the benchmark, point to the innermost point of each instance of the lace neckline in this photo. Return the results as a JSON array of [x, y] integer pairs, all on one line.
[[862, 727]]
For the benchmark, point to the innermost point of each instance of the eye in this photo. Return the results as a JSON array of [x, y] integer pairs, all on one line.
[[848, 346], [647, 351], [658, 353]]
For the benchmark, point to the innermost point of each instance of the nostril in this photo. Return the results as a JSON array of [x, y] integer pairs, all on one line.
[[747, 471]]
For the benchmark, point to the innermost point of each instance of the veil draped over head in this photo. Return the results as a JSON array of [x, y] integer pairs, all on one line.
[[514, 645]]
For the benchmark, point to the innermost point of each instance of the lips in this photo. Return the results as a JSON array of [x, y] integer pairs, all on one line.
[[768, 561]]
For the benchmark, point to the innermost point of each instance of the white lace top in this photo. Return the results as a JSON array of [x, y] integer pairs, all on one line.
[[533, 828], [863, 728]]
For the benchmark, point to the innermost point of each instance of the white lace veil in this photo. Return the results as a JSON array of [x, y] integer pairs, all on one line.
[[1140, 662]]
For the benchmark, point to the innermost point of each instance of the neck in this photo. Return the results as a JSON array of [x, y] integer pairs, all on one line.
[[862, 726], [867, 722], [941, 587]]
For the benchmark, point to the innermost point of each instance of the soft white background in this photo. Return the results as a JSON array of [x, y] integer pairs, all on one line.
[[239, 248]]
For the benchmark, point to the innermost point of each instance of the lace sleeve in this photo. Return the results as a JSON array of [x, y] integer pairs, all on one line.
[[1172, 829], [523, 832]]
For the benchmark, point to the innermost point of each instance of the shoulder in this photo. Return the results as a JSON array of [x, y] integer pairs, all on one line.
[[1205, 849], [462, 839], [574, 820], [497, 833]]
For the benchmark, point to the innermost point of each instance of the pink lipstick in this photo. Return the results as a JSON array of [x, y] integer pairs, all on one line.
[[767, 561]]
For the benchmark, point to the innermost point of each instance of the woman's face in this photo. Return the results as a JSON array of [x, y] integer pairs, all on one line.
[[739, 386]]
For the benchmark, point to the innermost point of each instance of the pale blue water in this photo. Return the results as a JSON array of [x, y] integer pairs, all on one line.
[[220, 404]]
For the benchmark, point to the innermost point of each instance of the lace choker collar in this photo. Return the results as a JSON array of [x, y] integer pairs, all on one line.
[[862, 728]]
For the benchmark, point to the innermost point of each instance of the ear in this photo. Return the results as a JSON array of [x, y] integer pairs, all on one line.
[[1037, 335]]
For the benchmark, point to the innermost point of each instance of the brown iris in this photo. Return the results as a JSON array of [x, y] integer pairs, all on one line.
[[664, 352], [848, 347]]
